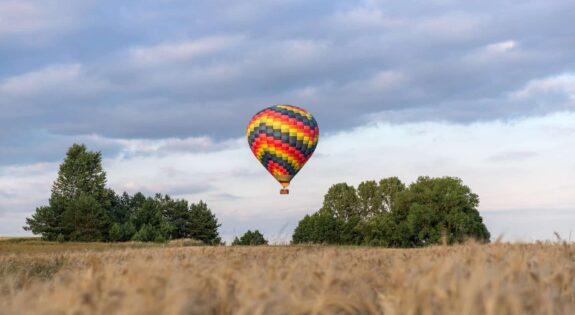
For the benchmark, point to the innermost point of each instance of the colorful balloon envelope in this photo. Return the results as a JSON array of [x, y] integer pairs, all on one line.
[[283, 138]]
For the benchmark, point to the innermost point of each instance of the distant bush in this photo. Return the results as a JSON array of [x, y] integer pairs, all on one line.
[[250, 238]]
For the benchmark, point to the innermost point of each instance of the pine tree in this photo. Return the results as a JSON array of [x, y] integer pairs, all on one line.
[[78, 201], [115, 233], [204, 224]]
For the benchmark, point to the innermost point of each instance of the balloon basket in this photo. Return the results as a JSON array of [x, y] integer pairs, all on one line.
[[284, 191]]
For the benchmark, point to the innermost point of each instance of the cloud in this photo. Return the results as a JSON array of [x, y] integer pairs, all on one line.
[[501, 47], [363, 18], [68, 79], [450, 27], [533, 174], [182, 51], [561, 84], [398, 88], [22, 18], [23, 189], [348, 63]]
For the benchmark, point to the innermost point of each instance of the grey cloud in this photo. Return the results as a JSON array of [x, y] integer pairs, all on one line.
[[25, 146], [182, 70], [225, 197]]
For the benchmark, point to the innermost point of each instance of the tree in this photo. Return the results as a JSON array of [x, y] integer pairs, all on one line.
[[414, 216], [81, 173], [84, 220], [178, 214], [378, 230], [370, 198], [128, 231], [149, 219], [46, 221], [349, 233], [80, 186], [146, 233], [120, 210], [203, 224], [81, 208], [389, 189], [433, 207], [320, 228], [250, 238], [341, 201], [115, 233]]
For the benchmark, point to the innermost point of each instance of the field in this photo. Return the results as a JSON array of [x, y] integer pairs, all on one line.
[[50, 278]]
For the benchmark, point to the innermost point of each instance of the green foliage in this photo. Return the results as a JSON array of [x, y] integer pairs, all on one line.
[[81, 208], [160, 239], [80, 187], [391, 214], [436, 206], [116, 232], [84, 219], [369, 198], [320, 228], [128, 231], [203, 224], [147, 233], [45, 221], [389, 189], [341, 201], [178, 213], [250, 238], [81, 174]]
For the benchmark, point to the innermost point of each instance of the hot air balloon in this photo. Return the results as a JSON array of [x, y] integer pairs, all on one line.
[[283, 138]]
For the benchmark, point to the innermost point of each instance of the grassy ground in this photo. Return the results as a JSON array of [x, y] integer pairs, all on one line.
[[32, 245], [135, 279]]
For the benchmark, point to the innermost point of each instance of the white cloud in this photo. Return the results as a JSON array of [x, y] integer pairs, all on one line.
[[22, 189], [501, 47], [564, 84], [500, 54]]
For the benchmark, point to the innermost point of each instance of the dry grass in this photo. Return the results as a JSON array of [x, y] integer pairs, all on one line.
[[469, 279]]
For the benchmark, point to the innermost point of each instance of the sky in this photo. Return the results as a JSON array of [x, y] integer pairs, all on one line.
[[480, 90]]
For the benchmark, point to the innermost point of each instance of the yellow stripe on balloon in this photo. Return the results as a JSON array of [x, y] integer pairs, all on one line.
[[270, 122]]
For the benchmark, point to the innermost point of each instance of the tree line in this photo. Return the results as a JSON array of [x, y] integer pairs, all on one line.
[[82, 208], [385, 213], [389, 213]]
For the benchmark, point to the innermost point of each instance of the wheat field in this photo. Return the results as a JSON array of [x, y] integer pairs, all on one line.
[[138, 279]]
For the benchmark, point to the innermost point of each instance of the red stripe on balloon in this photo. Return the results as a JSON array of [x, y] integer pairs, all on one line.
[[279, 146], [273, 166]]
